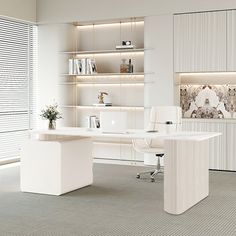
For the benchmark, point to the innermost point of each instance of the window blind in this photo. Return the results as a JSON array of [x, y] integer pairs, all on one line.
[[18, 60]]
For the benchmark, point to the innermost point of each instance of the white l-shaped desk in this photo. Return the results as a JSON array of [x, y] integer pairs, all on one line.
[[186, 174]]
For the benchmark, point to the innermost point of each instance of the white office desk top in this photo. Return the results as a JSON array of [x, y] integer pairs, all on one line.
[[131, 134]]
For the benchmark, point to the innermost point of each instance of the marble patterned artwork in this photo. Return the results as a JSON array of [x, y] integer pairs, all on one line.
[[208, 101]]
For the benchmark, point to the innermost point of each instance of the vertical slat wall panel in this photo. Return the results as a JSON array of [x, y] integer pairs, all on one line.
[[200, 42], [231, 39], [231, 146], [218, 146]]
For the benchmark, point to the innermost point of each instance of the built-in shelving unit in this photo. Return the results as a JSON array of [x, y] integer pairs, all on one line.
[[126, 90]]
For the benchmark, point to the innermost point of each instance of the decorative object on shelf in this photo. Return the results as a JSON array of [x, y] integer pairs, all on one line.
[[208, 101], [125, 45], [124, 67], [131, 67], [103, 100], [101, 97], [51, 114], [83, 66]]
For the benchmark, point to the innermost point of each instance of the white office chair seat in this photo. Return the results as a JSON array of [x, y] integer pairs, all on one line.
[[149, 146]]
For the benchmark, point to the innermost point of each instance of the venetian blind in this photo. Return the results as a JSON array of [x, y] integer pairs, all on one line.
[[18, 59]]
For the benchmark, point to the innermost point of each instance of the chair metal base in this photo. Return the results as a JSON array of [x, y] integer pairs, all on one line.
[[154, 172]]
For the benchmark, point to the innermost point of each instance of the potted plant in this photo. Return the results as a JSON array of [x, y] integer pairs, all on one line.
[[51, 114]]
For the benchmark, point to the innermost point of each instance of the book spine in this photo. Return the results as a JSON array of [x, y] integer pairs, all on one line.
[[74, 66], [83, 66], [90, 66], [88, 62], [94, 125], [93, 66], [71, 66], [77, 66]]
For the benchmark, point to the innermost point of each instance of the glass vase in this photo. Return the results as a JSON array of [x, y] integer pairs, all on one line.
[[52, 124]]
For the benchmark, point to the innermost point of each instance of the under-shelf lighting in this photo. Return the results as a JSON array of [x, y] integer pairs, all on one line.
[[216, 78], [109, 84], [111, 76], [118, 53], [208, 73], [111, 108], [104, 25]]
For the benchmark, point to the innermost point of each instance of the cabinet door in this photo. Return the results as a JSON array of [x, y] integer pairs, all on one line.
[[200, 42], [231, 147], [231, 40], [218, 155]]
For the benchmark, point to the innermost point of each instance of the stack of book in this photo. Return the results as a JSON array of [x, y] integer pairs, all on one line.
[[83, 66]]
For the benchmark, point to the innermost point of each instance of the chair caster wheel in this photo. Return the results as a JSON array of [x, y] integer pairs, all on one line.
[[138, 176], [152, 180]]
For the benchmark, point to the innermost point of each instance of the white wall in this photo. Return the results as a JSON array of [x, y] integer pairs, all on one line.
[[158, 38], [53, 39], [19, 9], [81, 10]]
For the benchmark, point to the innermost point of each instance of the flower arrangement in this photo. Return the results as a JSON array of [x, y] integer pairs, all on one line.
[[52, 114]]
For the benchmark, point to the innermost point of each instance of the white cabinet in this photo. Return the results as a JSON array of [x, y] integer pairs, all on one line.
[[200, 42], [231, 40], [222, 148], [231, 147]]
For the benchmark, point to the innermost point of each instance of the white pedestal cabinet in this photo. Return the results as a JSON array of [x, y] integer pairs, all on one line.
[[57, 166], [222, 149]]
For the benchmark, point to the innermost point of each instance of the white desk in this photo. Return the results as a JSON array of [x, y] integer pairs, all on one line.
[[186, 175]]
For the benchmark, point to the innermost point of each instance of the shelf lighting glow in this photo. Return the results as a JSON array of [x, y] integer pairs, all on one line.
[[110, 76], [110, 84], [110, 54], [216, 78], [110, 108], [91, 26], [206, 73]]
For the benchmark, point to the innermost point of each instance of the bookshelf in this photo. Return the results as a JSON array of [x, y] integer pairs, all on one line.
[[126, 90]]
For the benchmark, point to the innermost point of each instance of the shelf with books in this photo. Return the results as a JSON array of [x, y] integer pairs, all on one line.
[[109, 74]]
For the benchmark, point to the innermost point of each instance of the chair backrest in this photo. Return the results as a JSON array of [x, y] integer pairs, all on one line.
[[160, 116]]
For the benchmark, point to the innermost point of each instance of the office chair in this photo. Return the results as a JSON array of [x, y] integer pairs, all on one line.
[[162, 119]]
